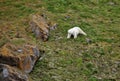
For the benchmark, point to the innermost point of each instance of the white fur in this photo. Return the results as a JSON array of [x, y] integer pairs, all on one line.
[[75, 31]]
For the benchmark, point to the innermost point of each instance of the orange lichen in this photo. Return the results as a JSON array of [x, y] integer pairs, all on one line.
[[23, 60]]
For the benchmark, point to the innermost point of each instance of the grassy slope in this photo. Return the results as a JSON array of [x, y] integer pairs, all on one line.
[[69, 60]]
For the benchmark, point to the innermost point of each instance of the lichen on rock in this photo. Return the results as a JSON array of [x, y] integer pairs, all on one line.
[[9, 73], [41, 27], [23, 58]]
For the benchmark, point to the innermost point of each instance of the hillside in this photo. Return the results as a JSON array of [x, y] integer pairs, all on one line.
[[68, 59]]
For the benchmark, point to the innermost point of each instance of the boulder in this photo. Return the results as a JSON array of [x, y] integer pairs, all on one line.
[[8, 73], [23, 58], [41, 27]]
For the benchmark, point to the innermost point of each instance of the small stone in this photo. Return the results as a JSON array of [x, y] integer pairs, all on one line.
[[20, 50], [5, 73], [111, 3], [51, 65], [88, 40]]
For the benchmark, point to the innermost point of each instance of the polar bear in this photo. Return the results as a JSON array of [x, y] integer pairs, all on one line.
[[75, 31]]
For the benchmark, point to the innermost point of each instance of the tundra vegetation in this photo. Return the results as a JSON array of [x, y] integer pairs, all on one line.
[[95, 57]]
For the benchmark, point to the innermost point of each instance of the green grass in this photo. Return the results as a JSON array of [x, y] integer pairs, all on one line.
[[70, 59]]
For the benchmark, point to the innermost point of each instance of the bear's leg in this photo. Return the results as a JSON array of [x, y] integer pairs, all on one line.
[[75, 35], [69, 35]]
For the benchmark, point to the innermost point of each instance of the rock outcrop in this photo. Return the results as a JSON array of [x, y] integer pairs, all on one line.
[[8, 73], [23, 58], [40, 26]]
